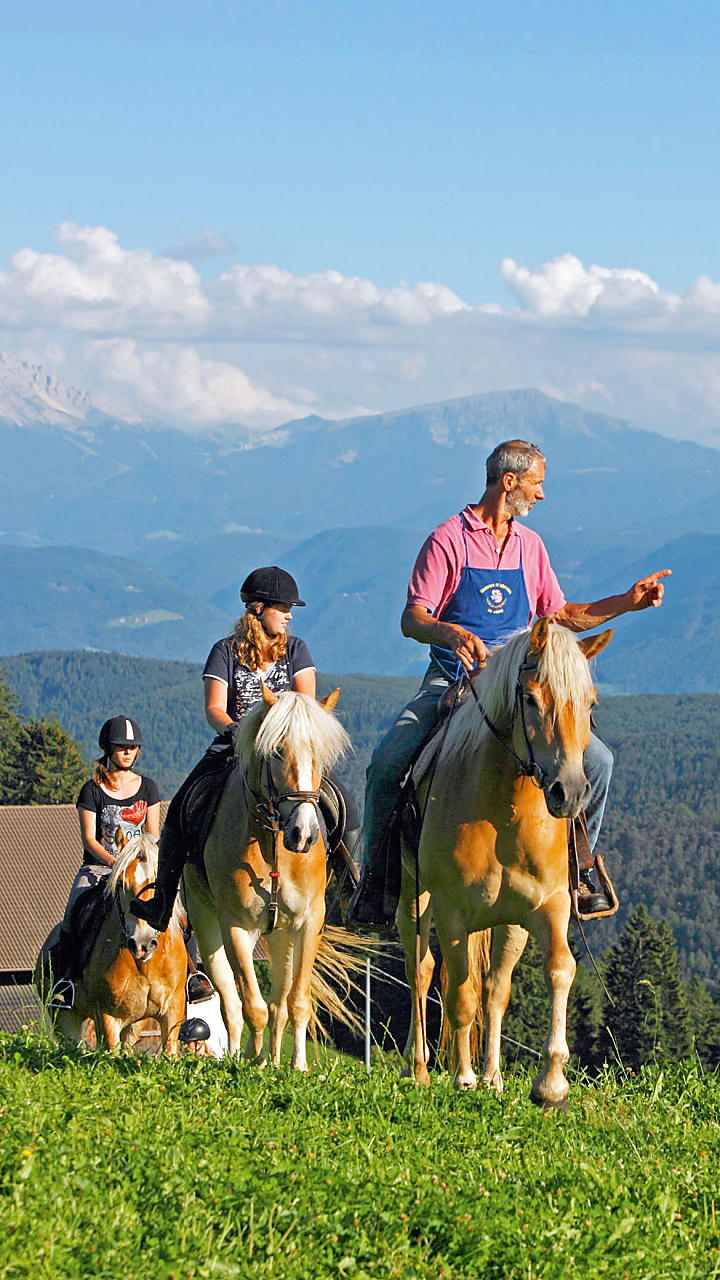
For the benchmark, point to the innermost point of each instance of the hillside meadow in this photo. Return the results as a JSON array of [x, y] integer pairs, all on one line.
[[124, 1167]]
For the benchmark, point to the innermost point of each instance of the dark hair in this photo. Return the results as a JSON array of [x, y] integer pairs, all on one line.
[[512, 455]]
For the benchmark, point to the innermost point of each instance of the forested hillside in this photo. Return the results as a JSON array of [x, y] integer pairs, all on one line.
[[662, 826]]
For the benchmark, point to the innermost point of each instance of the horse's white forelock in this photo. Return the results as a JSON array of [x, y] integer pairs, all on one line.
[[145, 849], [299, 726], [562, 666]]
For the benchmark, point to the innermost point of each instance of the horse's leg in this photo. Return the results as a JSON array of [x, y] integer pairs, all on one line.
[[304, 950], [215, 960], [508, 944], [69, 1026], [280, 949], [461, 997], [550, 1087], [239, 947], [416, 1052], [111, 1029]]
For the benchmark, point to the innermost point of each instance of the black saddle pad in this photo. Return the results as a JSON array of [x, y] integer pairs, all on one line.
[[198, 800], [88, 915]]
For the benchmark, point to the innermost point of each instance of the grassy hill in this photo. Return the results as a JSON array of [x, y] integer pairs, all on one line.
[[202, 1169]]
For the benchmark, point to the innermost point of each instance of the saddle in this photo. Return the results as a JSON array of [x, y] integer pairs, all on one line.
[[198, 800]]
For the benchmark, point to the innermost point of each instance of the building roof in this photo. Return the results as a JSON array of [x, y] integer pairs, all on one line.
[[40, 854]]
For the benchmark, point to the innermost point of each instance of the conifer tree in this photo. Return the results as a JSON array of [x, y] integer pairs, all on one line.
[[49, 766], [649, 1020], [9, 731], [705, 1023]]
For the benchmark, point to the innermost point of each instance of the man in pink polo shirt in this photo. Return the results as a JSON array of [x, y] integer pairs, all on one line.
[[479, 578]]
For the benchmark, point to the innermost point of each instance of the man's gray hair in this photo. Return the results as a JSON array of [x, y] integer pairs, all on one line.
[[512, 455]]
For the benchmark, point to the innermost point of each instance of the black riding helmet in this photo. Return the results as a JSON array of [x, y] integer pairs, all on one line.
[[120, 731], [271, 585]]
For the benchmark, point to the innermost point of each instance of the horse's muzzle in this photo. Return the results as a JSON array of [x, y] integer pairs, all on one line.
[[142, 949], [565, 798]]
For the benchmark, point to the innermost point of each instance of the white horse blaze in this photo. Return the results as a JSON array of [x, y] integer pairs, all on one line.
[[305, 814]]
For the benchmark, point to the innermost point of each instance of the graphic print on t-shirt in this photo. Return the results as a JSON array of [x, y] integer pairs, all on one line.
[[247, 686], [129, 820]]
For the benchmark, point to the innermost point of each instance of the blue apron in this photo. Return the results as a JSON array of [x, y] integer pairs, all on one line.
[[492, 603]]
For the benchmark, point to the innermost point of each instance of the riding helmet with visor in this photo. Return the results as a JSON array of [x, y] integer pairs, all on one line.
[[271, 585], [120, 731]]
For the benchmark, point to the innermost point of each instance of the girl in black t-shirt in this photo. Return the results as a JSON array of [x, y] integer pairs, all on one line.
[[115, 796]]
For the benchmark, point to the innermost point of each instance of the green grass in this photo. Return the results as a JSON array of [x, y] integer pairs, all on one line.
[[127, 1167]]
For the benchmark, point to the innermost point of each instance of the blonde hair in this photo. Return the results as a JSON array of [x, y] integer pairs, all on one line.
[[251, 643]]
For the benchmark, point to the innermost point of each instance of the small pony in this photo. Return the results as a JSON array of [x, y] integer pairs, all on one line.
[[133, 972], [493, 850], [265, 869]]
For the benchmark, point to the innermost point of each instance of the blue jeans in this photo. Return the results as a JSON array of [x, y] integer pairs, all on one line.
[[395, 753]]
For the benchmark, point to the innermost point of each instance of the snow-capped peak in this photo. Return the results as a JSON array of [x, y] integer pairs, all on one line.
[[30, 395]]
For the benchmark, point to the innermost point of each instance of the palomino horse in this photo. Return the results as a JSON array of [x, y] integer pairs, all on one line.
[[265, 862], [133, 971], [493, 849]]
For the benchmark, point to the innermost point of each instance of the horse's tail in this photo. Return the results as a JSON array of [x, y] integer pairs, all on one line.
[[338, 977], [478, 969]]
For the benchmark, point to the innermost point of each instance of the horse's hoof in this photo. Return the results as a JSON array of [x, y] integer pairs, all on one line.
[[549, 1104]]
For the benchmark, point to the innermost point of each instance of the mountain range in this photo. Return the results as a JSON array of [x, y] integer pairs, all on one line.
[[135, 536]]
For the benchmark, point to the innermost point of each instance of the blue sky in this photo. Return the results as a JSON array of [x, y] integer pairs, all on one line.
[[391, 142]]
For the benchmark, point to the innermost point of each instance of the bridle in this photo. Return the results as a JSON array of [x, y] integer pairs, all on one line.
[[128, 932], [264, 808], [527, 768]]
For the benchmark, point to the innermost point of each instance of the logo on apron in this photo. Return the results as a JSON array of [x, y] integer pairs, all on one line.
[[495, 596]]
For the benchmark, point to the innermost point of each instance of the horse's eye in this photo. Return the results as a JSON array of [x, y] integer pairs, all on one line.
[[531, 701]]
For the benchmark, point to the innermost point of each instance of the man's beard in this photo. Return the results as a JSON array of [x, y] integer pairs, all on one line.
[[517, 505]]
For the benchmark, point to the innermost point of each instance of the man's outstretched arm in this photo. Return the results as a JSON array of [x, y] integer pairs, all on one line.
[[645, 594]]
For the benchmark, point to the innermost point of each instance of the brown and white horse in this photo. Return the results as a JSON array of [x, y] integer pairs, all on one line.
[[493, 849], [266, 832], [133, 972]]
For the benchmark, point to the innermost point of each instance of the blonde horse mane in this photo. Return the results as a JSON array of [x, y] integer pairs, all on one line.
[[561, 666], [145, 849], [295, 724]]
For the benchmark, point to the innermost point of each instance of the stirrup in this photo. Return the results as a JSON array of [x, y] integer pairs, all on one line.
[[608, 889], [57, 1001], [198, 988]]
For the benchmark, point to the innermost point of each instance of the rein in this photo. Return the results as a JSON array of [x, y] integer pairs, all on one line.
[[265, 810]]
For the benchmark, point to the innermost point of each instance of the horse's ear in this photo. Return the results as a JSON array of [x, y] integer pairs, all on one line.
[[539, 635], [120, 839], [269, 698], [591, 645], [329, 703]]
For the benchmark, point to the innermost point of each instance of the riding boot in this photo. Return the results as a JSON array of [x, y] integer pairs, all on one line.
[[591, 897], [171, 861]]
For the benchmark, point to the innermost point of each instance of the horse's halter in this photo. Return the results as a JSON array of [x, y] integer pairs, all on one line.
[[266, 812], [527, 768], [128, 932], [267, 803]]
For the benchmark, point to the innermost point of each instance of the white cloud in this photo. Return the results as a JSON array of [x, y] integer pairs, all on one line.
[[175, 383], [258, 344]]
